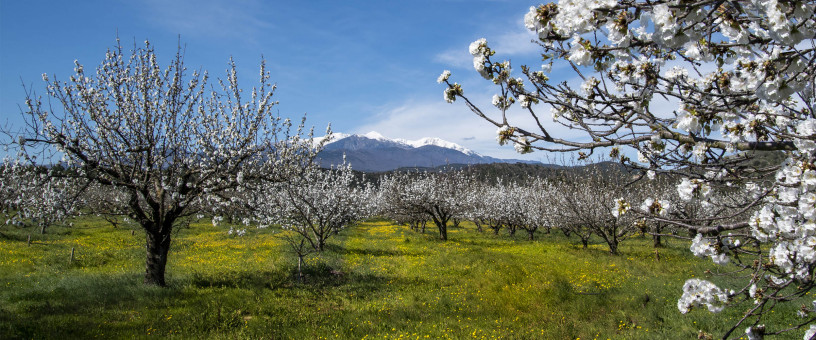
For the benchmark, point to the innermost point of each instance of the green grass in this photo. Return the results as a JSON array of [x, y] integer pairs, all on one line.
[[376, 280]]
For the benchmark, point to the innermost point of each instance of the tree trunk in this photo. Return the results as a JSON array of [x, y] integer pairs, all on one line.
[[585, 242], [656, 240], [442, 225], [613, 247], [530, 233], [443, 229], [158, 244], [300, 268]]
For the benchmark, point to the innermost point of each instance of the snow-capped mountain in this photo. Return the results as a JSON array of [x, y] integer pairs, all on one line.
[[375, 152]]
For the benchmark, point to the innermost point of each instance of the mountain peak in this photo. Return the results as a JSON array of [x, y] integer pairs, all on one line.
[[374, 135], [435, 141], [374, 152]]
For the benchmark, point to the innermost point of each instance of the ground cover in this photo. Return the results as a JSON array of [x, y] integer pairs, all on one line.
[[375, 280]]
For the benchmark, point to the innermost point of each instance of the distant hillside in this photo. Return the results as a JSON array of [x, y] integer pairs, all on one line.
[[374, 153], [506, 172]]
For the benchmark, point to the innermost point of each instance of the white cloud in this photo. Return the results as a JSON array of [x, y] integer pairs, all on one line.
[[418, 119], [452, 122], [516, 43], [455, 58], [221, 19], [415, 119]]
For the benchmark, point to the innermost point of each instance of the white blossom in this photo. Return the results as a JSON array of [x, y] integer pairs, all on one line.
[[522, 146], [698, 292], [443, 77], [810, 333], [579, 54]]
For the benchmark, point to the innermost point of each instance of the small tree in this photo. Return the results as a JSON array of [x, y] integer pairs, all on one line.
[[315, 205], [481, 205], [38, 196], [595, 201], [439, 196], [164, 138]]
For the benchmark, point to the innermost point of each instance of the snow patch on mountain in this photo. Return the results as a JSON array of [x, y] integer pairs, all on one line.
[[408, 143], [438, 142], [335, 136], [376, 136]]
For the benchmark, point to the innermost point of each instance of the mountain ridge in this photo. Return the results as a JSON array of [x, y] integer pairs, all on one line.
[[373, 152]]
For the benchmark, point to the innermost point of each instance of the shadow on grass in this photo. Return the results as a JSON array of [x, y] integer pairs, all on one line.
[[85, 306], [362, 251], [368, 252], [267, 279], [60, 308]]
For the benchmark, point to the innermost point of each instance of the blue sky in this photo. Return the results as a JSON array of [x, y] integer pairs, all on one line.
[[361, 65]]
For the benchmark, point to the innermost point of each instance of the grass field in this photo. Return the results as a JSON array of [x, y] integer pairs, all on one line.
[[375, 281]]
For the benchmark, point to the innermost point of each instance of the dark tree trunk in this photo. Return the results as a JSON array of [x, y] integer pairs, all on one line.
[[585, 242], [440, 218], [613, 247], [530, 233], [478, 226], [442, 225], [656, 240], [158, 245], [511, 230]]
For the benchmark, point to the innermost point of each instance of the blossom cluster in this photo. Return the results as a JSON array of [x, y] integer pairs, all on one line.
[[698, 292], [699, 89]]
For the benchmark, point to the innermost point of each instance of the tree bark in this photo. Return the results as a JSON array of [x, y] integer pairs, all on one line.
[[613, 247], [656, 241], [511, 230], [158, 245], [443, 229], [442, 225]]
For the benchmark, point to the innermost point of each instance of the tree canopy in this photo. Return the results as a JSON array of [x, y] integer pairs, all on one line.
[[695, 88]]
